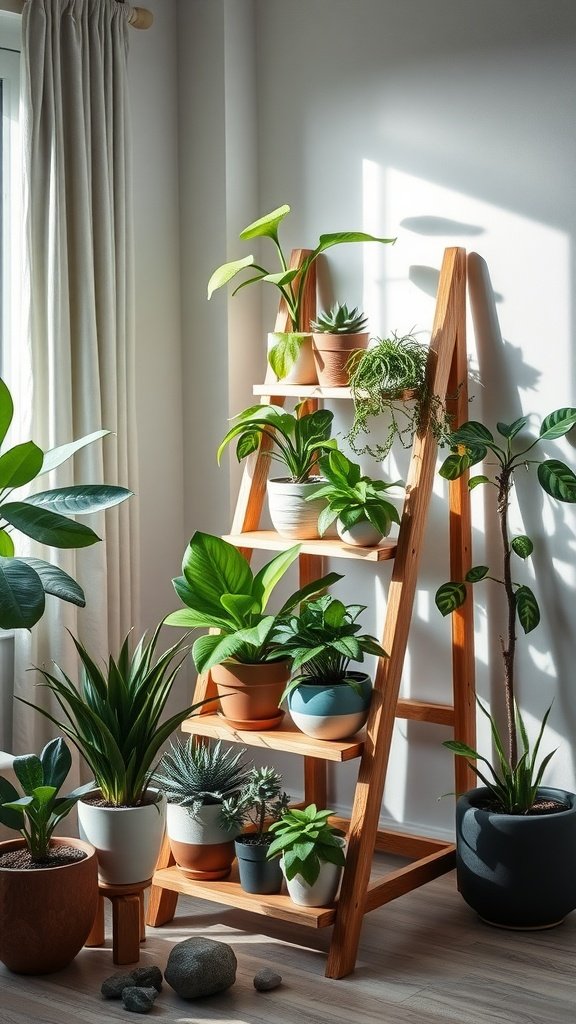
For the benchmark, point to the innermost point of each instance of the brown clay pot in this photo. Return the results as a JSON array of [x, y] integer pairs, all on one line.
[[331, 355], [250, 694], [46, 914]]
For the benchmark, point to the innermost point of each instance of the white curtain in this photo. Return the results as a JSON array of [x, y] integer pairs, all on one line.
[[76, 364]]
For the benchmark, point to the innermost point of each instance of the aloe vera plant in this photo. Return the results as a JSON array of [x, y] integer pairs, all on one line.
[[339, 320], [514, 780]]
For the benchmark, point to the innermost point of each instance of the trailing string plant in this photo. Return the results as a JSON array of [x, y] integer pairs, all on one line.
[[260, 801], [515, 780], [290, 282], [391, 378]]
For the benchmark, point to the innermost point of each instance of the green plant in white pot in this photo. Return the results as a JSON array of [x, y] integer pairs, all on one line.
[[44, 517], [515, 837], [357, 504], [259, 803], [297, 443], [197, 776], [220, 592], [48, 886], [339, 337], [327, 699], [286, 347], [115, 719], [312, 855]]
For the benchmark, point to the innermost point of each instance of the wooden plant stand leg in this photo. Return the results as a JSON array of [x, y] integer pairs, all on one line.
[[126, 930], [162, 902], [97, 934]]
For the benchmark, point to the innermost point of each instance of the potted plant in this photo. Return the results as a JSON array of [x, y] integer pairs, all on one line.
[[220, 592], [312, 855], [260, 801], [515, 838], [363, 515], [43, 517], [325, 699], [197, 777], [285, 353], [48, 886], [297, 443], [338, 338], [114, 718], [389, 380]]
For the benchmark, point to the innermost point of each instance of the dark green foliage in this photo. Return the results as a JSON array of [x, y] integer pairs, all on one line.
[[298, 442], [352, 497], [196, 772]]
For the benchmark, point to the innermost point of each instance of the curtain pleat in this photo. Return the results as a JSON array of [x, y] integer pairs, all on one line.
[[78, 351]]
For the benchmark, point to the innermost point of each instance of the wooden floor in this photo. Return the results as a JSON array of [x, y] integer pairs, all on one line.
[[423, 959]]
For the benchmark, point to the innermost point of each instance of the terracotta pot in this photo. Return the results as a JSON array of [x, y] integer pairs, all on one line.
[[127, 839], [201, 846], [331, 355], [46, 914], [250, 694]]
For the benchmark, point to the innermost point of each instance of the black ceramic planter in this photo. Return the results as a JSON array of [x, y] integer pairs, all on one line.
[[257, 875], [517, 871]]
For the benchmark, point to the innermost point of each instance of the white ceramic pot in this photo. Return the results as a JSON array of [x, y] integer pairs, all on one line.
[[292, 516], [201, 846], [325, 888], [361, 534], [127, 839], [304, 369]]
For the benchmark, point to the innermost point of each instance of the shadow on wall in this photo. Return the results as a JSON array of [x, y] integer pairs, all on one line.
[[506, 377]]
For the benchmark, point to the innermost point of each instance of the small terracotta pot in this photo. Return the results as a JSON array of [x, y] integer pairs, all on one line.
[[331, 355], [46, 914], [250, 694], [201, 846]]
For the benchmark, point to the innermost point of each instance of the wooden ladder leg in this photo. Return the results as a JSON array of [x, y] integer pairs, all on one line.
[[450, 311], [162, 902]]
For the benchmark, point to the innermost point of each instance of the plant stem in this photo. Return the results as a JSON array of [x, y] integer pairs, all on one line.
[[261, 818], [509, 651]]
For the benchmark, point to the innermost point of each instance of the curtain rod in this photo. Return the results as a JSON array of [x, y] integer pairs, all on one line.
[[138, 17]]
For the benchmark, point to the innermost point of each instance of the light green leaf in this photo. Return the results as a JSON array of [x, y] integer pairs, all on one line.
[[6, 409], [454, 466], [557, 423], [56, 456], [226, 272], [557, 480], [475, 481], [266, 580], [284, 353], [266, 226], [282, 278], [213, 567], [6, 544], [340, 237]]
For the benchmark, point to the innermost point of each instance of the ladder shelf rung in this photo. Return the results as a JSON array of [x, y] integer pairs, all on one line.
[[285, 737], [269, 540], [425, 711]]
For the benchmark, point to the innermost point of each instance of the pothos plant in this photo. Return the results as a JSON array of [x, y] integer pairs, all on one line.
[[290, 281], [514, 780]]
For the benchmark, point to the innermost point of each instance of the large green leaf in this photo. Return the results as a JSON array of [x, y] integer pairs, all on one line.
[[557, 423], [509, 430], [226, 272], [56, 456], [282, 278], [449, 597], [454, 466], [20, 465], [6, 409], [557, 480], [284, 353], [213, 567], [29, 772], [80, 499], [57, 582], [340, 237], [6, 544], [476, 573], [266, 226], [48, 527], [472, 433], [56, 762], [21, 594], [272, 573]]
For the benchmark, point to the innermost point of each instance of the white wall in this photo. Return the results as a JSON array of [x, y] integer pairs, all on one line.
[[446, 124]]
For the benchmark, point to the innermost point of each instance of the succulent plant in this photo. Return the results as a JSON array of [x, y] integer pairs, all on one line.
[[196, 773], [339, 320], [260, 799]]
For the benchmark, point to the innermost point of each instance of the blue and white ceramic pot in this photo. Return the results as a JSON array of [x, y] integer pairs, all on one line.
[[331, 712]]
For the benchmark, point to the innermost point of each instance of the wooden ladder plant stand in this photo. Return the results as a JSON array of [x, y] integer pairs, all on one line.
[[429, 858]]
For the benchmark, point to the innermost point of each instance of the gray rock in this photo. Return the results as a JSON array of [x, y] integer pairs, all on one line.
[[113, 987], [147, 977], [200, 967], [266, 979], [138, 999]]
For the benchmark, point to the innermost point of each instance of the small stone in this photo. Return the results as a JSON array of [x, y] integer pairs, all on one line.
[[138, 999], [147, 977], [113, 987], [200, 967], [266, 979]]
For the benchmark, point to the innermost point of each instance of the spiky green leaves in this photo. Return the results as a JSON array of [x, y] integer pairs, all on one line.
[[196, 773], [339, 320]]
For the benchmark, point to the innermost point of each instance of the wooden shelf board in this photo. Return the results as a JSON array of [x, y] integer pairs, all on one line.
[[425, 711], [269, 540], [286, 737], [230, 893], [281, 390]]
